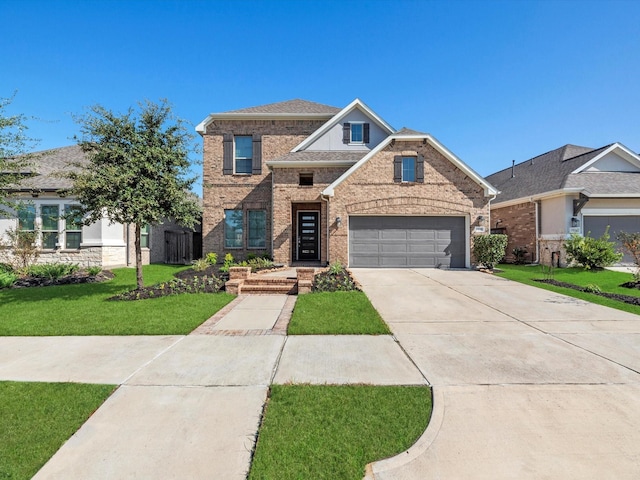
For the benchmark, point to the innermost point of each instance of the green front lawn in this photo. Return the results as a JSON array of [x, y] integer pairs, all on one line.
[[336, 313], [84, 309], [608, 281], [37, 418], [333, 432]]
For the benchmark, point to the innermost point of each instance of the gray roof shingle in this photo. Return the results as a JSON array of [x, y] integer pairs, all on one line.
[[544, 173], [311, 157], [605, 183], [296, 106], [46, 164]]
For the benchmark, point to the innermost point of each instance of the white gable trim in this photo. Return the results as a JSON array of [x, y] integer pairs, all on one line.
[[489, 190], [619, 149], [357, 103]]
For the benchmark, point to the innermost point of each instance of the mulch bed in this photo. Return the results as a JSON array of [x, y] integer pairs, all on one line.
[[614, 296], [75, 278]]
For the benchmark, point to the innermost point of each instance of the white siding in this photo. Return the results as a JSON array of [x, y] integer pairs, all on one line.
[[612, 163]]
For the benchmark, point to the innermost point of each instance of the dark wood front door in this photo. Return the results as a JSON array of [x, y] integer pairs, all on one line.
[[308, 236]]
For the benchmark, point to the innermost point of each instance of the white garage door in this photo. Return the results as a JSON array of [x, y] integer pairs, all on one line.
[[407, 242], [595, 226]]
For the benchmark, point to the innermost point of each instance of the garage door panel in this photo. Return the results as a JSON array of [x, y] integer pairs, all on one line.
[[407, 242], [595, 226]]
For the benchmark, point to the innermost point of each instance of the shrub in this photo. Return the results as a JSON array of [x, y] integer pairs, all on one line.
[[23, 246], [592, 288], [229, 262], [200, 265], [176, 286], [6, 268], [631, 243], [52, 271], [7, 279], [212, 258], [336, 278], [592, 252], [519, 254], [93, 271], [251, 256], [489, 249]]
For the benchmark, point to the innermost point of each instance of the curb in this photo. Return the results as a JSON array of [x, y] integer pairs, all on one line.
[[381, 467]]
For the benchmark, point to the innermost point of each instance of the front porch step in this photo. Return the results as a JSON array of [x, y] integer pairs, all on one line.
[[264, 285]]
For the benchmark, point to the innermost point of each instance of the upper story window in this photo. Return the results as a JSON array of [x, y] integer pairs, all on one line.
[[355, 133], [408, 169], [243, 154]]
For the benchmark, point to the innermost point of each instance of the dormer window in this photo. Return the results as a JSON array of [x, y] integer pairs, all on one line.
[[355, 133]]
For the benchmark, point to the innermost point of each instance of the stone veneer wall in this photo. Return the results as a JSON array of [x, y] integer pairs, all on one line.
[[520, 224], [246, 192], [371, 191], [85, 257]]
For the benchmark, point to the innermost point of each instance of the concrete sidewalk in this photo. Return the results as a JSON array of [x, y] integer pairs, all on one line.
[[190, 406], [527, 384]]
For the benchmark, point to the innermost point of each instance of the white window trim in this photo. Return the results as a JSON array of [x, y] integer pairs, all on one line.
[[351, 124], [235, 158], [415, 164]]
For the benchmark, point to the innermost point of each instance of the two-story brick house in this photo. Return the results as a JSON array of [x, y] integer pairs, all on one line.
[[308, 182]]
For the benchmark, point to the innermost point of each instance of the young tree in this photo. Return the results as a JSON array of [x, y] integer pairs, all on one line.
[[136, 171], [14, 143]]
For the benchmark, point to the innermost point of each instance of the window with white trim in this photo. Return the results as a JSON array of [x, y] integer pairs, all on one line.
[[144, 236], [27, 218], [243, 154], [49, 215], [73, 227], [408, 169]]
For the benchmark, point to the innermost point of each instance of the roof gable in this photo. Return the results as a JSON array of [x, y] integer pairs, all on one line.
[[615, 158], [489, 190], [355, 111]]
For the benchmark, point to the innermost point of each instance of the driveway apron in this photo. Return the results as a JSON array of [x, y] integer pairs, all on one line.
[[527, 383]]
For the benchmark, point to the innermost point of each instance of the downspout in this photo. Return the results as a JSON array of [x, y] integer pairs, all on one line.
[[326, 199], [272, 209], [537, 204]]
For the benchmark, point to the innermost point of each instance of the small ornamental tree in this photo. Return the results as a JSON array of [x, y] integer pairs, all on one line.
[[592, 252], [14, 143], [631, 243], [137, 169], [489, 249]]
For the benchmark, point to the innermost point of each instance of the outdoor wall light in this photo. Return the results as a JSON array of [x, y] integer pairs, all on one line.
[[481, 218], [338, 221], [575, 222]]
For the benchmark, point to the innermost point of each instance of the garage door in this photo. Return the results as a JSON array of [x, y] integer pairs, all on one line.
[[595, 227], [407, 242]]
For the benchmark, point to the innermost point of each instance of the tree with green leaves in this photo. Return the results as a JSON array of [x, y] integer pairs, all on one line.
[[137, 169], [14, 143]]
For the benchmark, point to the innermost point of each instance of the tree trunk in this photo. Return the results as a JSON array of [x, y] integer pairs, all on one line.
[[139, 280]]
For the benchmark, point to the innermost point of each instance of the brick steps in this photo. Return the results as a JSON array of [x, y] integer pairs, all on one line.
[[263, 285], [243, 282]]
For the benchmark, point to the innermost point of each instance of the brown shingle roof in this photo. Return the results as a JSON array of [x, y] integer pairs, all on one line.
[[409, 131], [291, 106]]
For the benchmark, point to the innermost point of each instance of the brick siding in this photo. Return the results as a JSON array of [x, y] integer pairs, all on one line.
[[519, 222]]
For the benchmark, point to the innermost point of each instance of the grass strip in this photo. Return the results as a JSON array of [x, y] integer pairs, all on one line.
[[607, 280], [37, 418], [336, 313], [84, 309], [333, 432]]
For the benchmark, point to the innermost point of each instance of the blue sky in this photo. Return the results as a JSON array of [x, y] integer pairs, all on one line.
[[492, 80]]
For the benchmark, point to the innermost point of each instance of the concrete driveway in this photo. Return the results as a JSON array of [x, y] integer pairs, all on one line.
[[527, 383]]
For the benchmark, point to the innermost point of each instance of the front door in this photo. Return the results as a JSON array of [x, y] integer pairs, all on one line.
[[308, 236]]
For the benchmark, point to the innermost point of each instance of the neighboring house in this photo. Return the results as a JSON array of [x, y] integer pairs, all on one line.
[[44, 195], [569, 190], [316, 184]]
